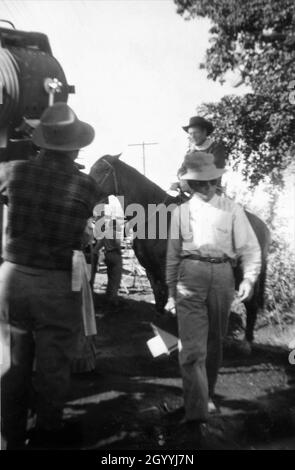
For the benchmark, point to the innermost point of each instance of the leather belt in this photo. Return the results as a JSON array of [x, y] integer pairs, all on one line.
[[209, 259]]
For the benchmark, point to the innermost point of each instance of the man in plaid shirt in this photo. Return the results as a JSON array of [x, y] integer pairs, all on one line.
[[49, 202]]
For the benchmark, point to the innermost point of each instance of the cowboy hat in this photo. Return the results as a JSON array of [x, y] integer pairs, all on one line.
[[198, 121], [201, 167], [60, 129]]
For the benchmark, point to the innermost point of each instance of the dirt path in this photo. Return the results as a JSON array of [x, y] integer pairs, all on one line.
[[132, 401]]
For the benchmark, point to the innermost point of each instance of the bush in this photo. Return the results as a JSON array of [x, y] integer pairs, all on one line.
[[275, 205], [280, 283]]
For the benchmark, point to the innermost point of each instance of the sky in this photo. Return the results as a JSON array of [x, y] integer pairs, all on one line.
[[135, 67]]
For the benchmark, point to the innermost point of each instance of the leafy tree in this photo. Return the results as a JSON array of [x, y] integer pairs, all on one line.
[[256, 39]]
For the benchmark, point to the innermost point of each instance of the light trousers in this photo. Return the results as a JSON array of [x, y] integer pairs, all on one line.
[[204, 295]]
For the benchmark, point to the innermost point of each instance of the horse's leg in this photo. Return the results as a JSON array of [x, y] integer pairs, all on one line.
[[255, 303], [251, 309], [159, 289], [94, 261], [113, 262]]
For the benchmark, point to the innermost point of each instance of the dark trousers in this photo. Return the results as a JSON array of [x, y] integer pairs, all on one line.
[[38, 313], [113, 260]]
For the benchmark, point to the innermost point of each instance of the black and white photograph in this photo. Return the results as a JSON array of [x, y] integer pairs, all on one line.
[[147, 216]]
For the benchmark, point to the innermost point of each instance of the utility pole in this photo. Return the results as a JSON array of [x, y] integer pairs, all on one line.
[[143, 144]]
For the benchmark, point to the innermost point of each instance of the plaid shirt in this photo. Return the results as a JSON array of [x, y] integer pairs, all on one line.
[[49, 202]]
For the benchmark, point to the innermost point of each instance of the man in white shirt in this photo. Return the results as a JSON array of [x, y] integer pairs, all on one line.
[[207, 233]]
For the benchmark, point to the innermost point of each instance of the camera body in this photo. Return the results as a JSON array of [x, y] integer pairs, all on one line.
[[26, 67]]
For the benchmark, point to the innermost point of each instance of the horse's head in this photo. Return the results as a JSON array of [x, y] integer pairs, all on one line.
[[117, 178], [104, 173]]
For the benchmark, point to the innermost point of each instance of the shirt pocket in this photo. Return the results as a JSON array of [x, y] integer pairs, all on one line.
[[222, 229]]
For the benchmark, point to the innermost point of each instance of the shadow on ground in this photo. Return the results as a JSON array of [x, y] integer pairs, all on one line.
[[133, 401]]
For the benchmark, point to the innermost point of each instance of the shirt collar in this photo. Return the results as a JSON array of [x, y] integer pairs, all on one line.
[[196, 200], [205, 145], [57, 160]]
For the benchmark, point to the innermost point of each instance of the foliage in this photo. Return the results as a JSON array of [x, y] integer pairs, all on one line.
[[280, 285], [280, 288], [276, 206], [243, 125], [256, 39]]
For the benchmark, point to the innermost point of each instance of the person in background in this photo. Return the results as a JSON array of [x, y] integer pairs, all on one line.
[[110, 241], [49, 203], [199, 130], [207, 233]]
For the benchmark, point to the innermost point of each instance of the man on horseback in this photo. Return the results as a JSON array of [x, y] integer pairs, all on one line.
[[207, 232], [200, 130]]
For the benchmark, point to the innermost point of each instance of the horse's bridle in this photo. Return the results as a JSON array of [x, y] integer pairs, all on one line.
[[116, 185], [112, 171]]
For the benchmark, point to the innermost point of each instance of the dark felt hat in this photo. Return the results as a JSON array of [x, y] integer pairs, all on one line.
[[198, 121], [60, 129]]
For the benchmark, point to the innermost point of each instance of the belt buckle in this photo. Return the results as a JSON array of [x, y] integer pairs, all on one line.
[[212, 260]]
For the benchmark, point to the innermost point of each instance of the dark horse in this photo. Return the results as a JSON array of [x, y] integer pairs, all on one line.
[[115, 177]]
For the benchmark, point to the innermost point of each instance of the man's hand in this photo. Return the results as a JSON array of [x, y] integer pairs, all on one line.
[[171, 305], [245, 290], [174, 186]]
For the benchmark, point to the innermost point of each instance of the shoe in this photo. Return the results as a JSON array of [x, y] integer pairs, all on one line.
[[212, 409], [193, 434], [15, 445]]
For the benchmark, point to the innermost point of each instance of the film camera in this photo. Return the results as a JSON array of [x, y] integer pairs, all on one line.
[[30, 80]]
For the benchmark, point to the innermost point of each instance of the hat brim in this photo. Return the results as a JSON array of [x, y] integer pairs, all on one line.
[[82, 138], [209, 129], [203, 176]]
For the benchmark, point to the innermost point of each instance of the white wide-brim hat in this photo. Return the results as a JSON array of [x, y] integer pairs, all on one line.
[[202, 168]]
